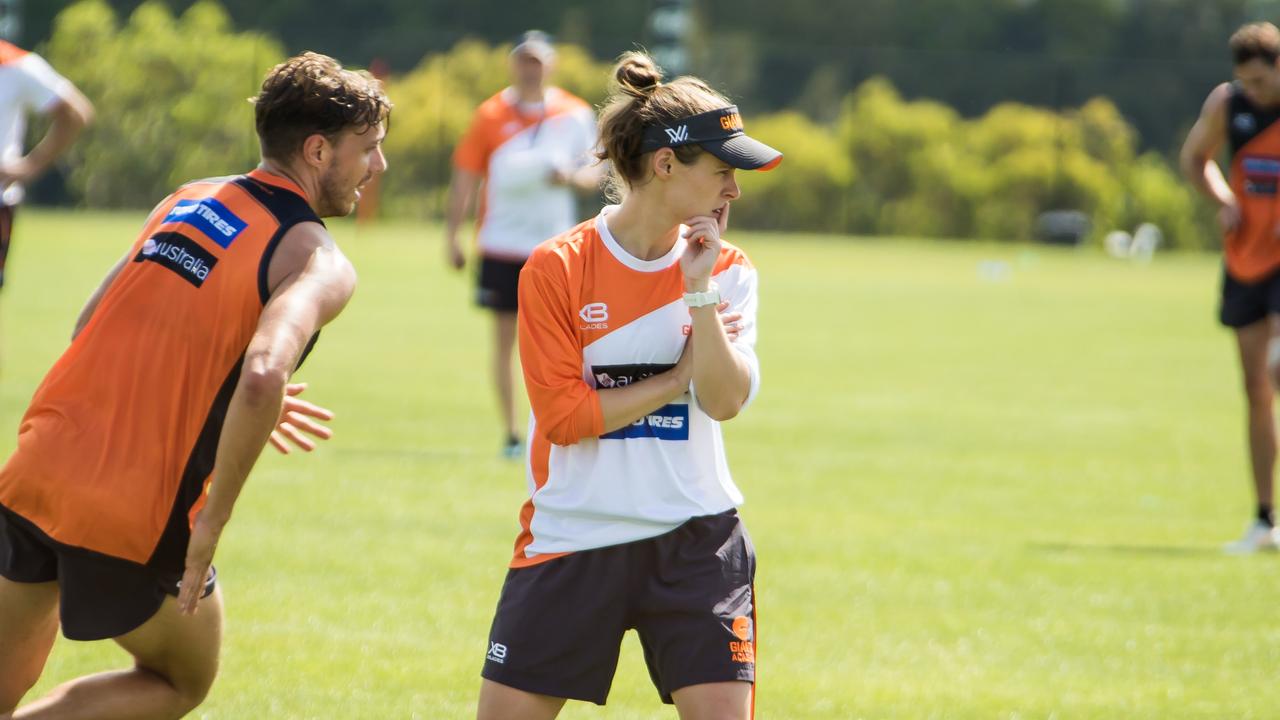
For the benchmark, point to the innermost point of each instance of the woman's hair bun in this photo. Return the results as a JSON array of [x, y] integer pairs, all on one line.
[[638, 75]]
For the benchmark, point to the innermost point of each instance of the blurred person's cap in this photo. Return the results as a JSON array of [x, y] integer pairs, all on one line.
[[719, 132], [537, 44]]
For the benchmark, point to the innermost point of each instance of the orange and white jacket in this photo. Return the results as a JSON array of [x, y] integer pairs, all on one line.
[[591, 317]]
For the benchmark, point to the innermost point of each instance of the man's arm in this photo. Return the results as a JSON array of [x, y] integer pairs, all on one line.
[[462, 193], [584, 179], [1198, 157], [313, 282], [590, 176], [69, 117]]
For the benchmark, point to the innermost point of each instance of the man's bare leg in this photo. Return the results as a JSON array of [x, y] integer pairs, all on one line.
[[504, 344], [28, 628], [1253, 341], [177, 660]]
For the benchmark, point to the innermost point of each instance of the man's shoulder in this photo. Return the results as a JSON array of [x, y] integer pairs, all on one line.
[[1222, 94], [561, 101], [10, 53], [494, 107]]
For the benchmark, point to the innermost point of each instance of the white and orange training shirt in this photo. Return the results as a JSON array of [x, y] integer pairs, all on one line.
[[593, 316], [516, 150], [27, 85]]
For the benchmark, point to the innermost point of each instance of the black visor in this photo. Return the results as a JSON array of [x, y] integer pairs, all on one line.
[[720, 133]]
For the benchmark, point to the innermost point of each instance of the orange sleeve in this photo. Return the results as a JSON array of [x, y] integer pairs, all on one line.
[[472, 153], [565, 407]]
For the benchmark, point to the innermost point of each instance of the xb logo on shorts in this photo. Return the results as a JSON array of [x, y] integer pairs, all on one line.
[[595, 315], [680, 134], [497, 652]]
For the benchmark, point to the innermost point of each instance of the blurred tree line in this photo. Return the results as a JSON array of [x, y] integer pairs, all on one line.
[[1156, 59], [171, 93], [887, 166]]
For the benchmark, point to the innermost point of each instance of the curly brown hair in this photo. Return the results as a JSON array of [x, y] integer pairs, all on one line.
[[1255, 41], [640, 99], [312, 93]]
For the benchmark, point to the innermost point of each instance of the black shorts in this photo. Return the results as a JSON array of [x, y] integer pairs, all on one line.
[[498, 283], [100, 596], [689, 595], [6, 234], [1247, 303]]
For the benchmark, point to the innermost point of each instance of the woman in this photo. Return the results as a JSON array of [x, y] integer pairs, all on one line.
[[629, 367]]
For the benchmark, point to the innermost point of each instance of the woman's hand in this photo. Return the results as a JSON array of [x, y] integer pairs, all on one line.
[[732, 321], [699, 258]]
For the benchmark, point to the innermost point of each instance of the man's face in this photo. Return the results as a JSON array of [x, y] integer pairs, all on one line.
[[1260, 81], [357, 157], [529, 71]]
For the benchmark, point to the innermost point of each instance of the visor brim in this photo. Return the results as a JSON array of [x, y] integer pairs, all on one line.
[[744, 153]]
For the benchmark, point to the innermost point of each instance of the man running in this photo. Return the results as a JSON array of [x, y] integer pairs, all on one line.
[[140, 438]]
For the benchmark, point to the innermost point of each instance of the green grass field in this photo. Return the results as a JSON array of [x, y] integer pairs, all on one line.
[[970, 498]]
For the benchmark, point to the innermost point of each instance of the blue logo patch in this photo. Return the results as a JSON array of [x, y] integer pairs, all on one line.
[[669, 422], [1261, 175], [1266, 166], [209, 217]]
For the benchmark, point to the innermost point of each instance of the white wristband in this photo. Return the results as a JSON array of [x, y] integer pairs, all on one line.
[[703, 299]]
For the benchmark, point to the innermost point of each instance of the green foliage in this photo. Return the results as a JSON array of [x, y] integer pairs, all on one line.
[[818, 177], [918, 168], [171, 92], [1155, 58], [1157, 195], [171, 96]]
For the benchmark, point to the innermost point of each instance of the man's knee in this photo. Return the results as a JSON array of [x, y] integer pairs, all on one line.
[[1260, 385], [1266, 387], [191, 696], [1259, 395], [190, 690]]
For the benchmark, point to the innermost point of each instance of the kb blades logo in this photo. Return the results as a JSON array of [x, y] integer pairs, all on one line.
[[178, 254], [678, 135], [595, 315]]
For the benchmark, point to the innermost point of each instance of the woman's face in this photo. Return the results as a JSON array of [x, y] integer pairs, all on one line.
[[705, 187]]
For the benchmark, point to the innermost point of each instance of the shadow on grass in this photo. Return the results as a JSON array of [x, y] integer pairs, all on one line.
[[1201, 551]]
